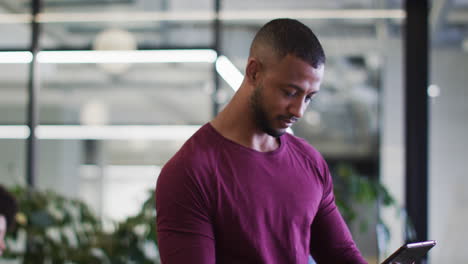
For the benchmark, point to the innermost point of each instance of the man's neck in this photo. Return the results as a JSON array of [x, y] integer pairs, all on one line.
[[236, 123]]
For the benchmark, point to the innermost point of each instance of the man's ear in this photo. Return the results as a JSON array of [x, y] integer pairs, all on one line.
[[253, 70]]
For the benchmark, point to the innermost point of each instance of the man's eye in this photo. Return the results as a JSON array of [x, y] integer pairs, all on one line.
[[289, 94], [309, 98]]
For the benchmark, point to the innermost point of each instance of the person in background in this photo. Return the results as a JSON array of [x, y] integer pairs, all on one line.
[[241, 189], [8, 209]]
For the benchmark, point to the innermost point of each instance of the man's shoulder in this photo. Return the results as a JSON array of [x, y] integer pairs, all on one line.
[[198, 151], [201, 143]]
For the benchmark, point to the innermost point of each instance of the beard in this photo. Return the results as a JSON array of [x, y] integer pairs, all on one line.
[[260, 114]]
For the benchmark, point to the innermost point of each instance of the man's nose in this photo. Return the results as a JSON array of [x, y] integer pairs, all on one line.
[[297, 108]]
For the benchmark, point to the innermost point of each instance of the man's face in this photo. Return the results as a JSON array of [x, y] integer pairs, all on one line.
[[283, 94], [3, 228]]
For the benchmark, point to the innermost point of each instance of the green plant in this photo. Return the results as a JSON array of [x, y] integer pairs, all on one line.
[[53, 229], [133, 240], [352, 190]]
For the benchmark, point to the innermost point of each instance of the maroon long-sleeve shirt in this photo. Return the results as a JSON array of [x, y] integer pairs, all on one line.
[[220, 202]]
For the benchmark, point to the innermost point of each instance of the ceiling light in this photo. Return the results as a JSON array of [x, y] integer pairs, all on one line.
[[433, 90], [15, 57], [229, 72], [223, 15], [77, 132], [126, 16], [14, 132], [314, 14], [122, 56], [15, 18], [115, 56], [115, 39], [205, 16]]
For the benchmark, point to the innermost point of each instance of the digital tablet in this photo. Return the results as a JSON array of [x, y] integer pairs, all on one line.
[[410, 252]]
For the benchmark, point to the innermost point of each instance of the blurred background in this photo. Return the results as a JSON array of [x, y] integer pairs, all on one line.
[[107, 125]]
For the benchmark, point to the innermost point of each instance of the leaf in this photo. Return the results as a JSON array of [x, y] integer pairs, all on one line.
[[41, 219]]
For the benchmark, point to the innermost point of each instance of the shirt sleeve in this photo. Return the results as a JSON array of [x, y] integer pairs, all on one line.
[[331, 241], [185, 233]]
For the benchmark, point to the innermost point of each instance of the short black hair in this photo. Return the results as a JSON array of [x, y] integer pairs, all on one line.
[[8, 206], [291, 37]]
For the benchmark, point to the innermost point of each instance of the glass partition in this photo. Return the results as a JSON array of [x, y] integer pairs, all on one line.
[[14, 74], [448, 143]]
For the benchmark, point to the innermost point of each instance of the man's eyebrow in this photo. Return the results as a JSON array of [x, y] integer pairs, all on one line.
[[313, 94], [296, 87], [302, 89]]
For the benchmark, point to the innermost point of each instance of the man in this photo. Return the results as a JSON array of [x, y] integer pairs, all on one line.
[[240, 190], [8, 210]]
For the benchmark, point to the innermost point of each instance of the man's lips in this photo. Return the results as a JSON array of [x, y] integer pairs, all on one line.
[[287, 122]]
